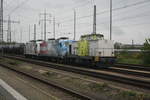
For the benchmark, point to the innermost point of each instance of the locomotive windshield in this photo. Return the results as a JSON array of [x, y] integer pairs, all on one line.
[[92, 37]]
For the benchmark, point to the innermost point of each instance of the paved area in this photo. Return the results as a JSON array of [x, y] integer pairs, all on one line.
[[8, 93], [27, 88], [2, 95]]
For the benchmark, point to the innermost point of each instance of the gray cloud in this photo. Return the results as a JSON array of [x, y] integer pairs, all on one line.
[[118, 31], [63, 9]]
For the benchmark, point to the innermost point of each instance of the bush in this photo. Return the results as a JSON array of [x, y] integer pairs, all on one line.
[[146, 52]]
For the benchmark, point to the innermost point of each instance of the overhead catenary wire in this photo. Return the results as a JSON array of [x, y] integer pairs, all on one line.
[[125, 17], [114, 9], [8, 5], [116, 20], [100, 13], [135, 24], [18, 6], [76, 7]]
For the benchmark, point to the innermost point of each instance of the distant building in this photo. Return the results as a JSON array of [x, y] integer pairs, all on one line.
[[119, 47], [128, 46]]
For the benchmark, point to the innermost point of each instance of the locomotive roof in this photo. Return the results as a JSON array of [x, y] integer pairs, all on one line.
[[63, 38], [33, 41], [39, 40], [88, 35], [52, 39]]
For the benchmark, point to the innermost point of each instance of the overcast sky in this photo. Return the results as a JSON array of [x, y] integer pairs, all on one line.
[[131, 18]]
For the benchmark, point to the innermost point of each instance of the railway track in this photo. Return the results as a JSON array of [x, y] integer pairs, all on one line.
[[93, 73], [74, 93], [129, 71], [133, 66]]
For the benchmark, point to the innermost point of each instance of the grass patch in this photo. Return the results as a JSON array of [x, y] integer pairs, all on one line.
[[128, 94], [49, 74], [10, 61], [13, 62], [130, 60], [102, 89], [99, 87], [131, 95]]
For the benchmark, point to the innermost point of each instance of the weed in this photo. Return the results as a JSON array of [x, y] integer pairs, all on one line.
[[128, 93], [49, 74], [98, 87]]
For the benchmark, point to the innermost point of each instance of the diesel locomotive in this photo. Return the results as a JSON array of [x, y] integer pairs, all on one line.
[[90, 50]]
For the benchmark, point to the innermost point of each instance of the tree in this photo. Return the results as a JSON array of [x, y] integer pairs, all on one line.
[[146, 52], [117, 45]]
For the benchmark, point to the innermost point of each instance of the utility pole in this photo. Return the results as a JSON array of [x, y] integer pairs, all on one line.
[[110, 19], [45, 25], [34, 32], [132, 43], [1, 21], [21, 35], [1, 25], [29, 33], [74, 24], [14, 34], [45, 20], [54, 26], [9, 31], [42, 31], [9, 36], [94, 20]]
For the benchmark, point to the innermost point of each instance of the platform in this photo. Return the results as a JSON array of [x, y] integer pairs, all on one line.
[[8, 93]]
